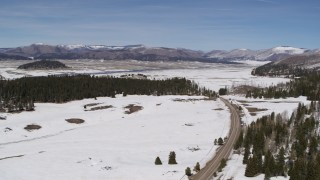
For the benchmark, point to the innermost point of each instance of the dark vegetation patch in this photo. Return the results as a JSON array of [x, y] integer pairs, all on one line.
[[188, 100], [99, 108], [90, 105], [242, 89], [32, 127], [218, 109], [254, 109], [189, 124], [106, 168], [7, 129], [43, 64], [253, 114], [192, 149], [75, 120], [132, 108]]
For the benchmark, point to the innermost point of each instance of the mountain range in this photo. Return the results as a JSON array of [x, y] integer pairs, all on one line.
[[141, 52]]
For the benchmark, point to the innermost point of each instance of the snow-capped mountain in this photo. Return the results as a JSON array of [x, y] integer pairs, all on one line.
[[272, 54], [136, 52], [141, 52], [98, 47]]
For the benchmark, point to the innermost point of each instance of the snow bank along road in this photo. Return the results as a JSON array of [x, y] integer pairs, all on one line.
[[207, 172]]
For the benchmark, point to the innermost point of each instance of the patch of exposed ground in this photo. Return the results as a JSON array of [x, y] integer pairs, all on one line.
[[132, 108], [90, 105], [189, 100], [192, 149], [189, 124], [218, 109], [99, 108], [7, 129], [75, 120], [254, 109], [32, 127]]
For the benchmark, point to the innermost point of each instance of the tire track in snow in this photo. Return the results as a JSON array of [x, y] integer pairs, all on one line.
[[36, 138]]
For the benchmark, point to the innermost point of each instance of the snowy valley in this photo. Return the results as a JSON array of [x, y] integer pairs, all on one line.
[[113, 144]]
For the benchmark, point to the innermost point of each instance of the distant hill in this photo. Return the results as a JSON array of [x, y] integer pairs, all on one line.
[[4, 56], [294, 65], [43, 64], [143, 53]]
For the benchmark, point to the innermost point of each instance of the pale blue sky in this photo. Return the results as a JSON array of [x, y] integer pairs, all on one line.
[[200, 25]]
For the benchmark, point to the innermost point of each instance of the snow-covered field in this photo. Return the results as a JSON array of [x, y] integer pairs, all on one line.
[[210, 75], [114, 145], [266, 106], [111, 144]]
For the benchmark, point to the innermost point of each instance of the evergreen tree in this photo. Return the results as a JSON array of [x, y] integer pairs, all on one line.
[[271, 164], [220, 141], [158, 161], [172, 158], [239, 141], [259, 162], [197, 167], [246, 155], [251, 169], [299, 170], [267, 174], [223, 164], [188, 171], [281, 163]]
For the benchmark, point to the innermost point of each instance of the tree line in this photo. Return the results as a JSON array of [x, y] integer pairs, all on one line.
[[59, 89], [307, 85]]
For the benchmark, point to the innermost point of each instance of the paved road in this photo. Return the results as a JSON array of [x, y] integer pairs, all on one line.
[[224, 151]]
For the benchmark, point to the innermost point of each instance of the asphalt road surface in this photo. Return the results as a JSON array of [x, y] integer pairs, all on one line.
[[225, 150]]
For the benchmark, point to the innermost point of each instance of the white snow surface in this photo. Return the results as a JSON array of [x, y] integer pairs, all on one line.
[[210, 75], [111, 144], [267, 106], [288, 49]]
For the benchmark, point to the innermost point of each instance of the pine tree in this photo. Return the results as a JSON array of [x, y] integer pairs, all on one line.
[[220, 141], [281, 163], [197, 167], [267, 174], [223, 164], [172, 158], [251, 168], [259, 162], [246, 155], [311, 171], [158, 161], [188, 171], [272, 165], [299, 170], [239, 141], [215, 141]]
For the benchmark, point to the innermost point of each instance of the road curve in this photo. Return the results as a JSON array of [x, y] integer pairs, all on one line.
[[224, 151]]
